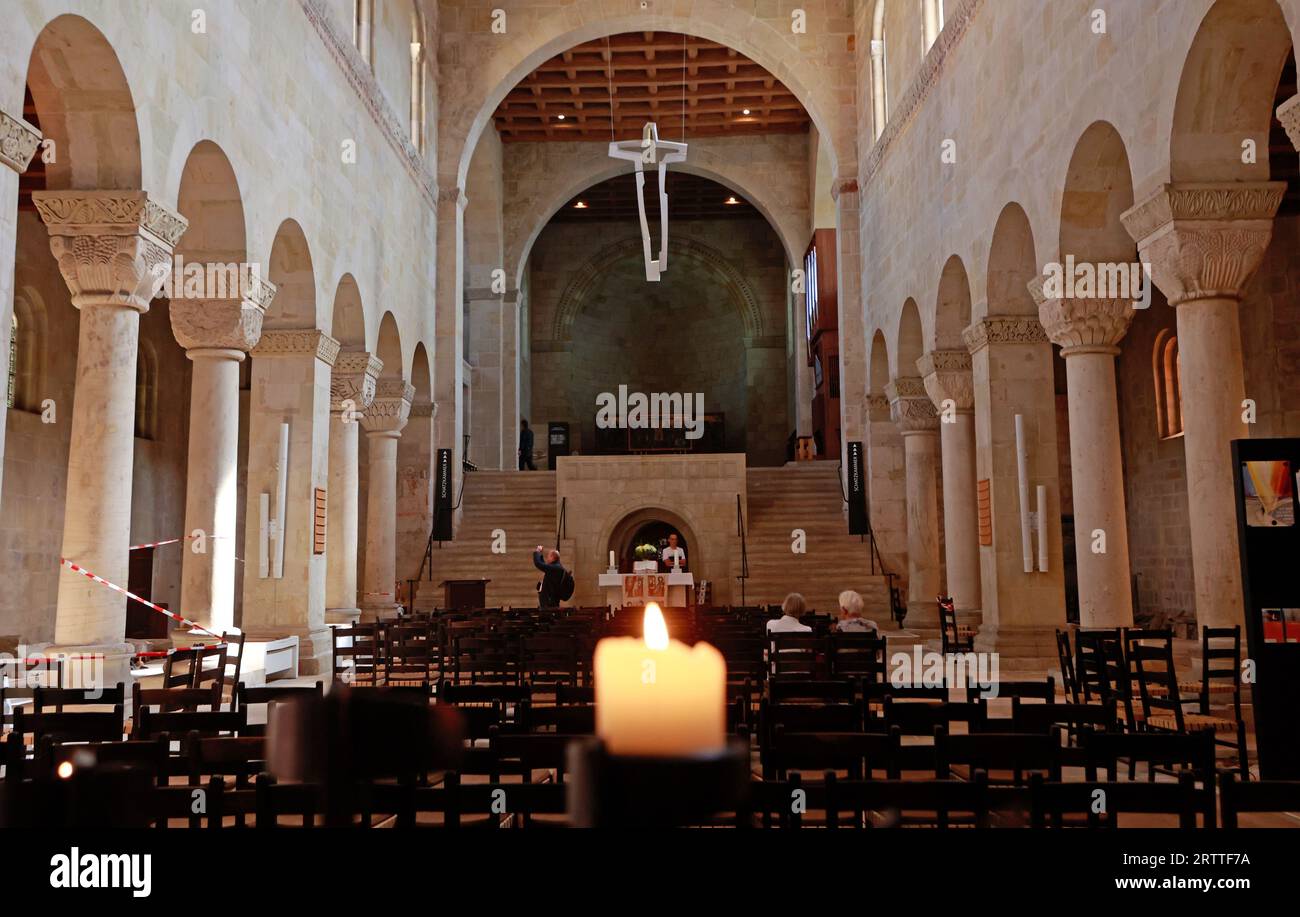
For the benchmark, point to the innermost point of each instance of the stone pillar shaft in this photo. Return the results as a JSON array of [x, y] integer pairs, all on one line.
[[914, 414], [384, 421], [352, 388], [108, 245], [1203, 242]]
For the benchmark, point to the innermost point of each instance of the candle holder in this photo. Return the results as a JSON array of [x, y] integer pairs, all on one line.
[[637, 791]]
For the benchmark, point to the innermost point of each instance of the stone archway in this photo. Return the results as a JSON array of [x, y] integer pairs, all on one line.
[[619, 538]]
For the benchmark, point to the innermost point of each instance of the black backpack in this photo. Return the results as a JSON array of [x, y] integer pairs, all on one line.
[[566, 585]]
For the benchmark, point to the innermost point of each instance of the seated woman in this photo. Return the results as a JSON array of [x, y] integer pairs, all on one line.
[[791, 610], [851, 620]]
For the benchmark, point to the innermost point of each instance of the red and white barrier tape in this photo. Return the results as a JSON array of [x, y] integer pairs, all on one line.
[[130, 595], [159, 544]]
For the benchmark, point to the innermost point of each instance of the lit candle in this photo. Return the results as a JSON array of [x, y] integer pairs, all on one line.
[[659, 697]]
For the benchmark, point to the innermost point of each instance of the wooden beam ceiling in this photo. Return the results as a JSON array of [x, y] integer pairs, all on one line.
[[680, 82]]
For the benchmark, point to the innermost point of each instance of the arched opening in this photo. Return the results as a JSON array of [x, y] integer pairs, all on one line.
[[146, 392], [27, 343], [910, 344], [1012, 264], [653, 525], [1166, 384]]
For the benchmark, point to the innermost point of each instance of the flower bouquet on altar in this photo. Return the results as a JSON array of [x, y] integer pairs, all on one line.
[[647, 559]]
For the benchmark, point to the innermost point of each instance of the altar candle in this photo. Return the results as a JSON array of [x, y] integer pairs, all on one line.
[[659, 697], [611, 560]]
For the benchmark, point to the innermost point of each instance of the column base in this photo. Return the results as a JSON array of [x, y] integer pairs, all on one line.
[[384, 611], [342, 615], [90, 665], [1022, 651]]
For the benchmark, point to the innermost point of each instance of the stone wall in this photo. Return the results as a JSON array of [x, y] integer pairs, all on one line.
[[697, 493], [694, 331]]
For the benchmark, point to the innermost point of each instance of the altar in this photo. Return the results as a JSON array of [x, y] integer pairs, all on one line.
[[668, 589]]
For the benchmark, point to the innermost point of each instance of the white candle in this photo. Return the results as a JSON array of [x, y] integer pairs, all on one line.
[[657, 696], [611, 560]]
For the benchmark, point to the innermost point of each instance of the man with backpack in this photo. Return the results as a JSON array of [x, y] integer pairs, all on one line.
[[557, 583]]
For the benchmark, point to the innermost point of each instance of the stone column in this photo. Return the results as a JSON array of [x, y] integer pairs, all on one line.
[[947, 378], [352, 387], [1088, 332], [511, 349], [415, 493], [852, 330], [216, 333], [449, 330], [886, 486], [912, 412], [291, 384], [113, 249], [1011, 370], [18, 143], [1203, 242], [384, 420]]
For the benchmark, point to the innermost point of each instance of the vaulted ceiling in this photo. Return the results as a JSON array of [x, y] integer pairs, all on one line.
[[678, 81]]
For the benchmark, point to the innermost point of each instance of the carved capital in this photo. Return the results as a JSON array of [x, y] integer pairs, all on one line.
[[910, 407], [18, 142], [1289, 114], [877, 409], [1003, 329], [226, 324], [843, 186], [946, 375], [1204, 240], [390, 409], [298, 342], [113, 248], [1083, 325], [353, 381]]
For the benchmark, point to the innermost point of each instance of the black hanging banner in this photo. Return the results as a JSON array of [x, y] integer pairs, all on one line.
[[1265, 474], [442, 498], [859, 524]]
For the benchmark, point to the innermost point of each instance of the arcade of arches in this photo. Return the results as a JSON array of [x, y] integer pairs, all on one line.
[[438, 246]]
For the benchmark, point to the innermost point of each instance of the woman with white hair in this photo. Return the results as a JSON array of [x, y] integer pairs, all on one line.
[[851, 620]]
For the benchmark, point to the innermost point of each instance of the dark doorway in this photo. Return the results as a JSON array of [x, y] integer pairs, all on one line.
[[143, 622], [655, 533]]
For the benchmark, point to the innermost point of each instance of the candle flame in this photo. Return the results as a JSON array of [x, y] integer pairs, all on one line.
[[656, 630]]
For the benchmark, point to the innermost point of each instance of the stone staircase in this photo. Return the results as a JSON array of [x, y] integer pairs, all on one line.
[[807, 495], [521, 503]]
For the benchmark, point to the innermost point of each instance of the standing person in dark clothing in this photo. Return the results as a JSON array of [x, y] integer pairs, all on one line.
[[526, 447], [550, 590]]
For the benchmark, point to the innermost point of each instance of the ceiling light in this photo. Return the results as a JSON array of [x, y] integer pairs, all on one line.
[[561, 117], [581, 205], [745, 112], [731, 200]]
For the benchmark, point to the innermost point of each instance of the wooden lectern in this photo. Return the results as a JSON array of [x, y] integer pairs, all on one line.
[[460, 594]]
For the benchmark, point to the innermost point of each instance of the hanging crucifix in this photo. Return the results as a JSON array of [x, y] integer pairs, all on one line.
[[650, 150]]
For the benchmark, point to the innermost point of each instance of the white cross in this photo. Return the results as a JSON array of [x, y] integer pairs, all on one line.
[[651, 150]]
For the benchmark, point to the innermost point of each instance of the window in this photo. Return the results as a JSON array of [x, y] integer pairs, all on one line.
[[879, 91], [363, 20], [146, 392], [1168, 387]]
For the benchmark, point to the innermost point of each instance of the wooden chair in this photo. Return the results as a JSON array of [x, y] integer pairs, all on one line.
[[955, 638], [1040, 718], [1044, 690], [96, 726], [168, 700], [1066, 658], [1103, 672], [1061, 803], [1152, 657], [357, 654], [19, 679], [859, 656], [149, 723], [796, 654], [1016, 754], [1173, 753], [1274, 796], [151, 755], [915, 719], [856, 754], [410, 654]]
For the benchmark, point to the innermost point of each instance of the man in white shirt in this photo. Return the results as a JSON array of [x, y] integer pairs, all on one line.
[[674, 558], [789, 622]]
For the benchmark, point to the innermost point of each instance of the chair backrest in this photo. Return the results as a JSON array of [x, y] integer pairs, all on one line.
[[1238, 797], [96, 726], [952, 640], [247, 695], [242, 757], [796, 653], [918, 719], [58, 698], [1221, 663], [1020, 753], [1066, 658], [858, 656], [1102, 670], [1150, 656], [171, 699], [899, 802], [1040, 718], [150, 723], [210, 668], [179, 666], [833, 691], [151, 754], [856, 753], [1044, 690], [1050, 801], [357, 653]]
